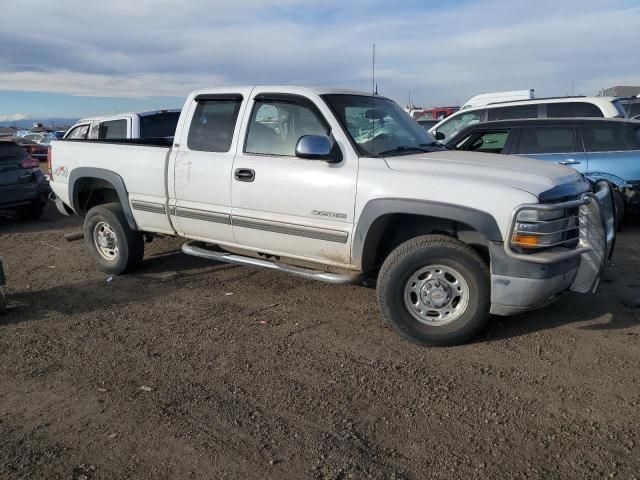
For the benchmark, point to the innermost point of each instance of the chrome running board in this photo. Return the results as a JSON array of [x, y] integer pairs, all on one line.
[[199, 249]]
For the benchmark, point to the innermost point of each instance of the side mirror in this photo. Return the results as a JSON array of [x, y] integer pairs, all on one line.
[[315, 147], [439, 136]]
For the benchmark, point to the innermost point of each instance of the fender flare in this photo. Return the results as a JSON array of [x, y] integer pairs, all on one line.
[[113, 178], [481, 221], [612, 179]]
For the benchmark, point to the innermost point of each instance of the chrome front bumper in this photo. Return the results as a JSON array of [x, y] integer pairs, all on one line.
[[597, 230], [582, 265]]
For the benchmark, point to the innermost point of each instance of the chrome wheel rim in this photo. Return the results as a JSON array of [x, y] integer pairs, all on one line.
[[105, 241], [436, 295]]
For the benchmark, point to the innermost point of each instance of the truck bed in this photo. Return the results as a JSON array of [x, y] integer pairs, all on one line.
[[141, 164]]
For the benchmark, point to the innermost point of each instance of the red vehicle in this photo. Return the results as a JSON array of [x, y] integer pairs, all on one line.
[[436, 113]]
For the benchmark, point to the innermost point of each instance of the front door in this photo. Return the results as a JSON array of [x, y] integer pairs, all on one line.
[[282, 203], [200, 206]]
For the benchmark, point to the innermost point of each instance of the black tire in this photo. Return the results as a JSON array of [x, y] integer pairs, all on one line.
[[33, 211], [420, 252], [130, 243]]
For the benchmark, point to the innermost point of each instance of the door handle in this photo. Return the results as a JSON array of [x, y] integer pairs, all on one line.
[[244, 175], [570, 161]]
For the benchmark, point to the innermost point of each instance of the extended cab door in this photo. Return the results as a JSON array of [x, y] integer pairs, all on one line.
[[558, 144], [285, 205], [200, 173]]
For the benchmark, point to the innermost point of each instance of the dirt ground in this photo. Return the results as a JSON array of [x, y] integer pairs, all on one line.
[[189, 369]]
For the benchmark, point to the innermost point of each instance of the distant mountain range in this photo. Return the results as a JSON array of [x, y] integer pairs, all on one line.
[[46, 122]]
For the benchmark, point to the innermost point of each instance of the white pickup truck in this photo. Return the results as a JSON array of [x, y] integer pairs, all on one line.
[[339, 186]]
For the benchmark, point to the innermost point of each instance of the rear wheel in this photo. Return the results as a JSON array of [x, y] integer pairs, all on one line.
[[114, 246], [434, 290]]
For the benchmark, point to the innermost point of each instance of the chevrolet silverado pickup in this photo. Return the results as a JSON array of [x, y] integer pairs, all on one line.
[[342, 186]]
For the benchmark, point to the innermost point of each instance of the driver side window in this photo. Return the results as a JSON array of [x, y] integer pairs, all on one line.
[[277, 125], [489, 142]]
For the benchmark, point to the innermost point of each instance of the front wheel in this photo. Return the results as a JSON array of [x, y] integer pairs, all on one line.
[[114, 246], [435, 290]]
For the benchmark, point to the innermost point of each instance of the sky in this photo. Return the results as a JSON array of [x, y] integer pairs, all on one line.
[[69, 58]]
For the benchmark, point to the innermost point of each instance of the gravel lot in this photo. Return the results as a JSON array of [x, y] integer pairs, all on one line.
[[189, 369]]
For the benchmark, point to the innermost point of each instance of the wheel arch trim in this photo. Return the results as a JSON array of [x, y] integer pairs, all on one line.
[[375, 209], [113, 178]]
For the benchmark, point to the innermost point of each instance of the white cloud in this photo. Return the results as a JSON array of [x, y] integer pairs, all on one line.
[[439, 52], [13, 117], [101, 85]]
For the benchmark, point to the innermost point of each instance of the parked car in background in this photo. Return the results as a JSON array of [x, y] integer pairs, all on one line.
[[154, 124], [335, 185], [602, 149], [36, 150], [436, 113], [631, 107], [427, 118], [556, 107], [427, 123], [497, 97], [23, 187]]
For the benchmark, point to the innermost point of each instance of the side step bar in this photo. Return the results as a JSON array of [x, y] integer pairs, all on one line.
[[200, 249]]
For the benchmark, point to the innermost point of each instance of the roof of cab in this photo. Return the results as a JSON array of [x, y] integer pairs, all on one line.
[[292, 89], [128, 114]]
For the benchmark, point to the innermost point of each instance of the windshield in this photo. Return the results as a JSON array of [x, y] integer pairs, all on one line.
[[378, 126], [457, 122]]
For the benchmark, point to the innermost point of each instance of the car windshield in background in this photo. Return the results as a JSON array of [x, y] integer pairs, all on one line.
[[378, 126], [159, 125]]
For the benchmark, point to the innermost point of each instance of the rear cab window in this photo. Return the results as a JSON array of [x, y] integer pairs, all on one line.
[[548, 140], [157, 125], [113, 130], [213, 123]]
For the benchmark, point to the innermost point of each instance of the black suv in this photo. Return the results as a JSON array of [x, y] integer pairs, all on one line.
[[602, 149], [23, 187]]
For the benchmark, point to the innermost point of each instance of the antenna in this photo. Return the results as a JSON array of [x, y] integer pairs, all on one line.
[[373, 70], [373, 98]]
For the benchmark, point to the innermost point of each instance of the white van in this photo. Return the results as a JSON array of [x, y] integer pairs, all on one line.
[[154, 124], [553, 107], [488, 98]]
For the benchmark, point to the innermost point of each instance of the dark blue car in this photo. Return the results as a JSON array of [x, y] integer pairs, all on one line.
[[602, 149], [23, 187]]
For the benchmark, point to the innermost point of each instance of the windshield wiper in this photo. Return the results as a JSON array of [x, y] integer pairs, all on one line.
[[402, 149], [413, 148]]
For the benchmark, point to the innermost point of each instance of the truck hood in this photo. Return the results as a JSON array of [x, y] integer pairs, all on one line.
[[532, 176]]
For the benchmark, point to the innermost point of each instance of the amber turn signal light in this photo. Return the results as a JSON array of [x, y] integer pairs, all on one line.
[[525, 240]]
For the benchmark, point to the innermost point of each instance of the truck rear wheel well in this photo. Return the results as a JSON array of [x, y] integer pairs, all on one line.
[[89, 186], [389, 231], [90, 192]]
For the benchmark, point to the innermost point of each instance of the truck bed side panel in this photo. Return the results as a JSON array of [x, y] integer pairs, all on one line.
[[141, 167]]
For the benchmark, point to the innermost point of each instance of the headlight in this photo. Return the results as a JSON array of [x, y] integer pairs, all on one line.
[[539, 215], [535, 229]]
